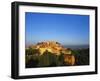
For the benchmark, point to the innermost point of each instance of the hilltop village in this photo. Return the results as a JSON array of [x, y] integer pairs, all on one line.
[[54, 48]]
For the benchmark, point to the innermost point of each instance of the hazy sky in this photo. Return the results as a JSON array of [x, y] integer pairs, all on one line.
[[67, 29]]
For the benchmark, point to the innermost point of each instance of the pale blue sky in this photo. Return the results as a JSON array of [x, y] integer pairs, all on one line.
[[67, 29]]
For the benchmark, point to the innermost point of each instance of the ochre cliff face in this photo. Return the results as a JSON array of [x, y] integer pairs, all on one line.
[[55, 48], [69, 59]]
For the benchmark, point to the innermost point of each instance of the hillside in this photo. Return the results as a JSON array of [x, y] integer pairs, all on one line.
[[51, 53]]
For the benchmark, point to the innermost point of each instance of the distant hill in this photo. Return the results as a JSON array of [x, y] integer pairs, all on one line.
[[76, 46]]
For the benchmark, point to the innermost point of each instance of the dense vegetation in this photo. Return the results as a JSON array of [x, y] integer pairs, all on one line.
[[82, 56], [34, 59]]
